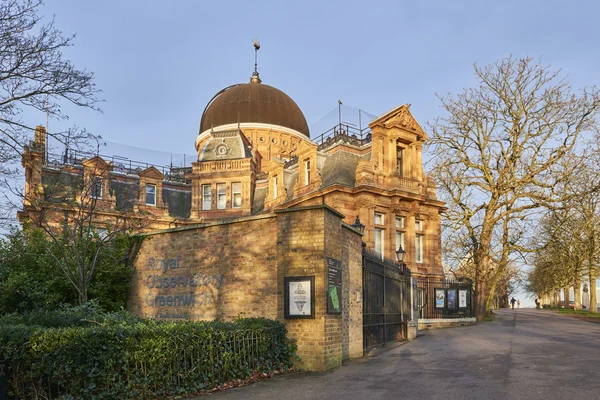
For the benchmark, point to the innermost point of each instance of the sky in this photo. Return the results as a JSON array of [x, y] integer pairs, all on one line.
[[158, 63]]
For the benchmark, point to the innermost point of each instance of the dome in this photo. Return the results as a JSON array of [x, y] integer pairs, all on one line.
[[253, 102]]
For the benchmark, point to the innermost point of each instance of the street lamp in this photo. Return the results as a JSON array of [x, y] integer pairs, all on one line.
[[400, 257], [358, 226]]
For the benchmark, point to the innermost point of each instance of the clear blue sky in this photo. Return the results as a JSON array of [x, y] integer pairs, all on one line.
[[159, 62]]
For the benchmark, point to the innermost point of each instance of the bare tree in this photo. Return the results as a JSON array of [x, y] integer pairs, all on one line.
[[34, 76], [497, 158], [77, 214]]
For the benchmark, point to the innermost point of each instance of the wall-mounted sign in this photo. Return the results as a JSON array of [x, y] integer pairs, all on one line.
[[440, 298], [334, 286], [462, 299], [299, 297], [451, 299]]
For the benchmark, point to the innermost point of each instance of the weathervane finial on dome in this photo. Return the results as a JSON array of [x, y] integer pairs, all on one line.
[[255, 78]]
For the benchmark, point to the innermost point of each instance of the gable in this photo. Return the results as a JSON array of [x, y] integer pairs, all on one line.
[[400, 117], [152, 173]]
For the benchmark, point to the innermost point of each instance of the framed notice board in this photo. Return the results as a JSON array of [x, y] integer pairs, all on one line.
[[334, 286], [299, 292]]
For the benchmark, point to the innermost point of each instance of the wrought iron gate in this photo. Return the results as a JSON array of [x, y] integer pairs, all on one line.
[[386, 301]]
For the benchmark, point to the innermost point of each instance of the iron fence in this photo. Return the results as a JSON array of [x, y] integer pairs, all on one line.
[[444, 297], [180, 361]]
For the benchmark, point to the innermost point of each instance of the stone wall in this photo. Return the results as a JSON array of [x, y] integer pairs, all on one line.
[[237, 268]]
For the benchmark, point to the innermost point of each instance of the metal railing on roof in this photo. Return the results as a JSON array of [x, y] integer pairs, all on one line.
[[120, 164], [344, 132]]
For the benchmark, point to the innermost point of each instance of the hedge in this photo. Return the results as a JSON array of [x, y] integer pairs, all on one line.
[[127, 358]]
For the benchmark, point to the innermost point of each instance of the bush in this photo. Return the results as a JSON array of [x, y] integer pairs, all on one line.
[[108, 356]]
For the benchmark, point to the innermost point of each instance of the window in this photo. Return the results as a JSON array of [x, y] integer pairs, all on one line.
[[378, 219], [379, 245], [151, 195], [236, 195], [96, 187], [206, 197], [275, 187], [418, 225], [399, 222], [419, 248], [221, 196], [399, 240], [306, 172], [399, 161]]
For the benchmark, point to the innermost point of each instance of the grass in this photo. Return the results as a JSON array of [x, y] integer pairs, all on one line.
[[584, 313]]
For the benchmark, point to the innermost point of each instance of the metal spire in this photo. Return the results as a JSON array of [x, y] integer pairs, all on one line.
[[255, 78]]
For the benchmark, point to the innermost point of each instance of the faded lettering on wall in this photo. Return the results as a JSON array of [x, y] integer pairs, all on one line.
[[201, 285]]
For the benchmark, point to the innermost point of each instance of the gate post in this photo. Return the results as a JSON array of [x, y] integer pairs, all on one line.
[[413, 324]]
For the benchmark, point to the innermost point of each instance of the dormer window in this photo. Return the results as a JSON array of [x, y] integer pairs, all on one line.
[[96, 187], [222, 150], [150, 195], [275, 184]]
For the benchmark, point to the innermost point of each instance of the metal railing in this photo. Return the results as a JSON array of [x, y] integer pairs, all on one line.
[[444, 298], [344, 132], [120, 164]]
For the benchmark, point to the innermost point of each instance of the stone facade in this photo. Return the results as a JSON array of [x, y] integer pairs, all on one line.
[[222, 271]]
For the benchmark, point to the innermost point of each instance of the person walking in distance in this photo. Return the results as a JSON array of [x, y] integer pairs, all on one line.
[[519, 303], [512, 302]]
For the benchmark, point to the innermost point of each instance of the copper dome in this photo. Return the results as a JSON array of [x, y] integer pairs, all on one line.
[[253, 102]]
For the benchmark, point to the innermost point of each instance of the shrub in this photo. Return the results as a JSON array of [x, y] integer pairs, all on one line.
[[107, 356]]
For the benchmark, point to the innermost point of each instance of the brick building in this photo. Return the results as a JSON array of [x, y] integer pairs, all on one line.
[[263, 201]]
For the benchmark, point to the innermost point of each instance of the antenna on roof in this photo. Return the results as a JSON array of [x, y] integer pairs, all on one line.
[[255, 78]]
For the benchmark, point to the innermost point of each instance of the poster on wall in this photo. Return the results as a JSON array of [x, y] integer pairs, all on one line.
[[462, 299], [299, 297], [334, 286], [451, 302], [440, 298]]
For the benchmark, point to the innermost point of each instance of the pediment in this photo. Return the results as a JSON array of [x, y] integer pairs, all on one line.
[[97, 164], [400, 117], [152, 173]]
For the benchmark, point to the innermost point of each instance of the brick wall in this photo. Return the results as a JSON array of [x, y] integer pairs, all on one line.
[[237, 268]]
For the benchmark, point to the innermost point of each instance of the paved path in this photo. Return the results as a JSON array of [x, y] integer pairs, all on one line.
[[524, 354]]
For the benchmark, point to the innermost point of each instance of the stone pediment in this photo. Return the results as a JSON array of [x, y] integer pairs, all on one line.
[[152, 173], [400, 117], [97, 164]]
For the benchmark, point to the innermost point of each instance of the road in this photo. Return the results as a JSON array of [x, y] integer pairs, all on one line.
[[523, 354]]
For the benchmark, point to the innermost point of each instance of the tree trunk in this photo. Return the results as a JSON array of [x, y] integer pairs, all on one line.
[[593, 299], [83, 296], [481, 292], [556, 299], [577, 295], [566, 297]]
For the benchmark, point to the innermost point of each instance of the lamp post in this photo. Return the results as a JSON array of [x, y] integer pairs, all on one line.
[[400, 257], [361, 228]]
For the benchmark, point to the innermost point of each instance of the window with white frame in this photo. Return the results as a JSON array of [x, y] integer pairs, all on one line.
[[400, 240], [206, 197], [151, 195], [275, 188], [419, 248], [306, 172], [96, 187], [418, 225], [378, 220], [236, 195], [221, 196], [379, 237], [399, 222], [399, 161]]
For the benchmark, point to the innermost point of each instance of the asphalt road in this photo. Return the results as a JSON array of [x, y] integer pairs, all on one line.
[[523, 354]]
